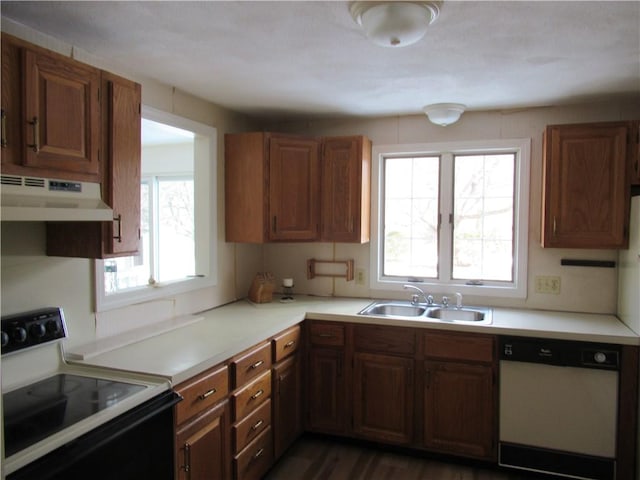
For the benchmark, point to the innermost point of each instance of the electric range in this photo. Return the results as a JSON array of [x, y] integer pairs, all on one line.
[[47, 403]]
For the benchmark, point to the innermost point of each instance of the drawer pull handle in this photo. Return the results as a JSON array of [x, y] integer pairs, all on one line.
[[257, 425], [290, 344], [3, 142], [35, 146], [206, 394], [187, 458], [257, 364], [326, 335], [258, 453], [118, 237], [257, 394]]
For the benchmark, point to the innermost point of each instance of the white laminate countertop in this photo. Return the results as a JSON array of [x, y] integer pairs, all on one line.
[[221, 333]]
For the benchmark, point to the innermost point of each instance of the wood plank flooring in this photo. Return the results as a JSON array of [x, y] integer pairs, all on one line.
[[320, 458]]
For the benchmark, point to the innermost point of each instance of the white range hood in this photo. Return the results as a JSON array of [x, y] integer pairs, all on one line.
[[35, 199]]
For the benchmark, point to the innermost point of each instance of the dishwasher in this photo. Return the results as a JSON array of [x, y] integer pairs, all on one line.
[[559, 407]]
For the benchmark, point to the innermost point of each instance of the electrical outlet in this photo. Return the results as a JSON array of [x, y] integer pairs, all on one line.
[[361, 276], [548, 284]]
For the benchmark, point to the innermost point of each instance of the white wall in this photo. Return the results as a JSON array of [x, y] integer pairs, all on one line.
[[582, 289]]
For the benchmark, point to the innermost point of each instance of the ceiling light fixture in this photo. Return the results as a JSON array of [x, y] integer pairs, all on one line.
[[444, 113], [395, 23]]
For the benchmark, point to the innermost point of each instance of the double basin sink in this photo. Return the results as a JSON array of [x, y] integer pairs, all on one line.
[[408, 310]]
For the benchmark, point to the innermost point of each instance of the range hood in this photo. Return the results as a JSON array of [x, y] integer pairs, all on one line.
[[35, 199]]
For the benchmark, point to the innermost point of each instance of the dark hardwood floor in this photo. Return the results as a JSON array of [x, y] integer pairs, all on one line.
[[320, 458]]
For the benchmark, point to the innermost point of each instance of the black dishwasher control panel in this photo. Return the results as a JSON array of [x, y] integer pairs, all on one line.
[[560, 352]]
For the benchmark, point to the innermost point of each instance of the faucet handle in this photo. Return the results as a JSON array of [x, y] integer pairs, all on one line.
[[445, 301], [458, 300]]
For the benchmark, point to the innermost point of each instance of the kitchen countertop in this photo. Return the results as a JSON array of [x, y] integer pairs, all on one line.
[[218, 334]]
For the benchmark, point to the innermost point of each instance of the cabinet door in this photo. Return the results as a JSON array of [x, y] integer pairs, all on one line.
[[383, 397], [202, 446], [346, 189], [459, 409], [294, 189], [585, 186], [11, 142], [287, 419], [61, 121], [326, 390], [121, 182], [121, 172]]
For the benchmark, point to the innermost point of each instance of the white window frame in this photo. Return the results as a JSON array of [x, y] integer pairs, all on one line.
[[206, 213], [515, 289]]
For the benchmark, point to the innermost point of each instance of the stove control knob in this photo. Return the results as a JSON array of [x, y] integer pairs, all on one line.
[[19, 334], [37, 330], [5, 339], [52, 327], [600, 357]]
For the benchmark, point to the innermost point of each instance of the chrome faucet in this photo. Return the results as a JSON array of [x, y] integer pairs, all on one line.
[[415, 298]]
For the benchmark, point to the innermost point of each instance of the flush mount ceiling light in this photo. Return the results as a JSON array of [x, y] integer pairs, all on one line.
[[395, 23], [444, 113]]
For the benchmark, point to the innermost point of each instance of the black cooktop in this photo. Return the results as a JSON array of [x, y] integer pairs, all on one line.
[[41, 409]]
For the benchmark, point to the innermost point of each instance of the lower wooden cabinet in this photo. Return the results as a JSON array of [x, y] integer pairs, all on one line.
[[202, 445], [326, 391], [459, 404], [383, 397], [255, 459], [287, 404], [460, 394]]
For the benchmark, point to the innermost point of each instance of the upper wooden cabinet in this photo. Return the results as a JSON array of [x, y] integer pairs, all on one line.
[[346, 189], [51, 114], [290, 188], [272, 185], [585, 186], [121, 172]]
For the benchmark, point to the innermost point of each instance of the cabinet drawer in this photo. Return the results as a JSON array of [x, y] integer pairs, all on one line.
[[254, 461], [250, 364], [249, 397], [286, 343], [475, 348], [326, 334], [387, 340], [252, 425], [201, 392]]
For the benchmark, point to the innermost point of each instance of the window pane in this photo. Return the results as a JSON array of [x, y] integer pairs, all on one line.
[[176, 245], [411, 217], [483, 217]]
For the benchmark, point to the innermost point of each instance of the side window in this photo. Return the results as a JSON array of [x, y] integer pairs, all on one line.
[[177, 216]]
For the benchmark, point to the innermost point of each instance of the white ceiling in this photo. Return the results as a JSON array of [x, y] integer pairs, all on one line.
[[310, 59]]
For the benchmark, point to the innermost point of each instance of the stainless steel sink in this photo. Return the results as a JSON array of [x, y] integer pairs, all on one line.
[[405, 309], [393, 309], [458, 314]]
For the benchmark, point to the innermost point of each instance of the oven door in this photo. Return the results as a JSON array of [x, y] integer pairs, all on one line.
[[137, 444]]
